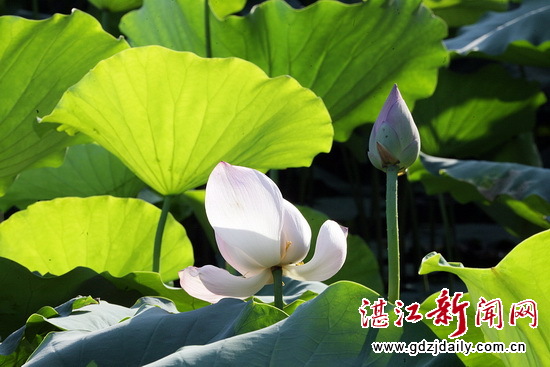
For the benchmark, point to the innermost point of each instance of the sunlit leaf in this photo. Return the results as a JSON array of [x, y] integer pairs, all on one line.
[[102, 233], [39, 60], [117, 5], [223, 8], [350, 55], [460, 12], [520, 276], [257, 316], [518, 35], [87, 170], [172, 116], [472, 113], [179, 25]]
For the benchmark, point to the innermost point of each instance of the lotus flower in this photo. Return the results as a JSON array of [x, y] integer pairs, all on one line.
[[394, 140], [257, 230]]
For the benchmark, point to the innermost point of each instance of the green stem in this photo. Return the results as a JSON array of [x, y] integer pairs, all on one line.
[[160, 232], [207, 34], [105, 19], [377, 218], [393, 234], [278, 286]]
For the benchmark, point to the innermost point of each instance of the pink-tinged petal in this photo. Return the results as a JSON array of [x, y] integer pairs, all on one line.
[[376, 160], [389, 138], [211, 284], [410, 153], [330, 254], [295, 236], [400, 118], [245, 208]]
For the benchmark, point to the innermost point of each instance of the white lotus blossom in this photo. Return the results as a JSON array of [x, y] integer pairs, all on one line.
[[256, 231]]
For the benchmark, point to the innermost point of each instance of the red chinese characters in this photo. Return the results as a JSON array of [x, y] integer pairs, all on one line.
[[379, 318], [525, 308], [488, 313], [447, 308]]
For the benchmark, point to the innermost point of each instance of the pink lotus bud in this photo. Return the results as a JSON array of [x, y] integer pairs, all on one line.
[[394, 140]]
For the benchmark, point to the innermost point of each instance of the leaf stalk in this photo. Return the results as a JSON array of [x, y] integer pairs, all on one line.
[[160, 232]]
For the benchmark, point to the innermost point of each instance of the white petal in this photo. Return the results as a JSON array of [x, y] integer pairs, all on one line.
[[211, 284], [330, 254], [239, 259], [245, 208], [295, 236]]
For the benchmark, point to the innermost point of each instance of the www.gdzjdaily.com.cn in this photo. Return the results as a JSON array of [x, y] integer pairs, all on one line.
[[437, 346]]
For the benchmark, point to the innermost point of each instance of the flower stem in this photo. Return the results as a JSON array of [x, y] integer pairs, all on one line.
[[393, 234], [278, 286], [160, 232], [208, 50]]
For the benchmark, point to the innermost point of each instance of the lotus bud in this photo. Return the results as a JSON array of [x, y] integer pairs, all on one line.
[[394, 140]]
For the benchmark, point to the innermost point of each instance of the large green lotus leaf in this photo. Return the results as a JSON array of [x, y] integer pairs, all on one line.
[[521, 149], [323, 331], [525, 53], [350, 55], [15, 349], [521, 218], [257, 316], [39, 60], [117, 5], [179, 25], [492, 179], [223, 8], [470, 114], [102, 233], [518, 217], [521, 275], [520, 35], [519, 188], [460, 12], [172, 116], [24, 292], [152, 331], [87, 170]]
